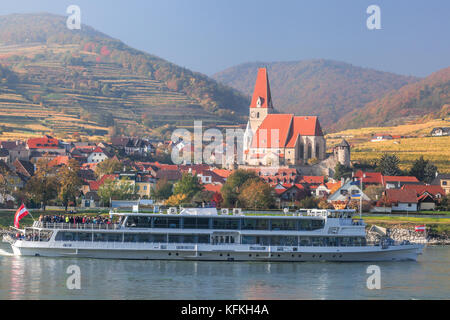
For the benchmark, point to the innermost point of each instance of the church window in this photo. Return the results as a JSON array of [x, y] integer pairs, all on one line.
[[309, 152]]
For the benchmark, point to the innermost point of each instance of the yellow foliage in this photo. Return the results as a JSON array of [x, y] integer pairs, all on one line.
[[176, 199]]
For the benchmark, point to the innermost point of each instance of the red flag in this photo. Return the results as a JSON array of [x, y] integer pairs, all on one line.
[[20, 213], [420, 228]]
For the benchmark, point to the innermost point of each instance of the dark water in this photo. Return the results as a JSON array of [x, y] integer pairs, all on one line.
[[45, 278]]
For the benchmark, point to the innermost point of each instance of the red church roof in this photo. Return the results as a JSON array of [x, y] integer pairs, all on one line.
[[262, 90]]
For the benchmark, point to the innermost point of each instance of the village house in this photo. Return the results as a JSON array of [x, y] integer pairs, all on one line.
[[396, 182], [97, 155], [349, 191], [427, 195], [272, 139], [381, 137], [442, 180], [16, 150], [402, 200], [4, 155], [440, 131]]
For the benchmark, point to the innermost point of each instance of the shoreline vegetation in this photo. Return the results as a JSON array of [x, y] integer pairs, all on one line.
[[438, 228]]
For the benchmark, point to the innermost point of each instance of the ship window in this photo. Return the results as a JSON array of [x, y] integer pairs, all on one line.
[[160, 222], [284, 224], [203, 238], [175, 238], [229, 224], [174, 222], [65, 236], [248, 240], [255, 224], [317, 224], [305, 241]]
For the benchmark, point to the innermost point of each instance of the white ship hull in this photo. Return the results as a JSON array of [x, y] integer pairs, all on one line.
[[156, 251]]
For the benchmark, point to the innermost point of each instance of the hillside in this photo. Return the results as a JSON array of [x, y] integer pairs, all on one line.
[[430, 96], [82, 81], [329, 89], [416, 142]]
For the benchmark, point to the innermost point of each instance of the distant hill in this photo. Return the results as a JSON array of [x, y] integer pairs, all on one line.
[[427, 98], [76, 81], [329, 89]]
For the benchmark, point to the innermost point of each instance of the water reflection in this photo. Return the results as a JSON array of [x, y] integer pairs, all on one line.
[[45, 278]]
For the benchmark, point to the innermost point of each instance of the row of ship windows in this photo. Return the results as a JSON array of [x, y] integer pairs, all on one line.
[[225, 223], [205, 239]]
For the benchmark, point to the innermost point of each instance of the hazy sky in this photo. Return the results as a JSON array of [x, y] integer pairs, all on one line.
[[210, 35]]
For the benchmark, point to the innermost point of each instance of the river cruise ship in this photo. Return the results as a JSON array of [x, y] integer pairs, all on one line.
[[205, 234]]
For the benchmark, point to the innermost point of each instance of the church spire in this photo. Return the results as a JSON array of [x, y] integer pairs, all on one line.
[[261, 94]]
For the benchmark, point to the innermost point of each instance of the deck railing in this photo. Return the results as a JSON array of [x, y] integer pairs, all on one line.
[[76, 226]]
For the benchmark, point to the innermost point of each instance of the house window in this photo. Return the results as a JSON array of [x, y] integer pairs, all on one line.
[[444, 183], [409, 204]]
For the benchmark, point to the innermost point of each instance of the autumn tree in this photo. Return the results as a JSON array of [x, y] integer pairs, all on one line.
[[162, 190], [188, 185], [256, 193], [69, 182], [232, 187], [203, 197], [108, 166], [43, 185], [374, 192]]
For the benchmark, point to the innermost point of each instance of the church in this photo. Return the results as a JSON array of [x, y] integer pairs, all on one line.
[[279, 139]]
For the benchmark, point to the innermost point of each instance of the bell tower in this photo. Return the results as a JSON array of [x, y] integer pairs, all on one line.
[[261, 104]]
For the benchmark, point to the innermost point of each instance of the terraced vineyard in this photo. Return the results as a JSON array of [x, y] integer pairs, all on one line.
[[53, 80], [417, 142]]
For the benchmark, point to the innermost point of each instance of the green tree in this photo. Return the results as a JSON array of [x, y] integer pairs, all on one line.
[[429, 173], [309, 203], [418, 168], [116, 190], [188, 185], [341, 171], [256, 193], [232, 187], [388, 165]]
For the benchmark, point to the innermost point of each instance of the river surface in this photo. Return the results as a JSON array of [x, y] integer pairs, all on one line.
[[46, 278]]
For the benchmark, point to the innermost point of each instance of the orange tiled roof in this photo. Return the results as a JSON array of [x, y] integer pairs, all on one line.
[[420, 189], [213, 187], [401, 195], [223, 172], [59, 160], [45, 142], [267, 129]]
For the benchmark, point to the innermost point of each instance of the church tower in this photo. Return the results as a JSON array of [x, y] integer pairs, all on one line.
[[261, 104]]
